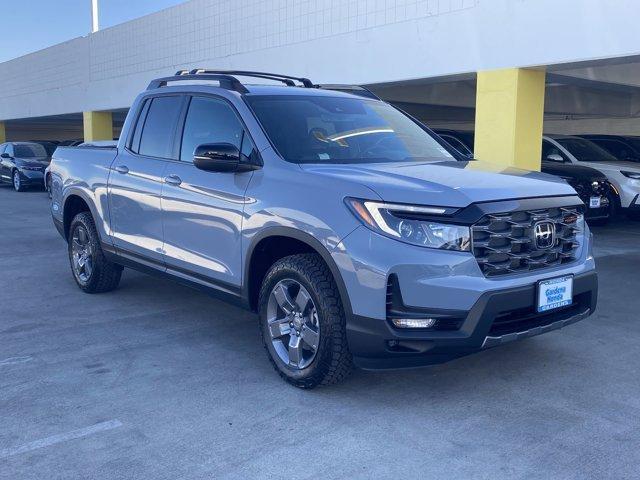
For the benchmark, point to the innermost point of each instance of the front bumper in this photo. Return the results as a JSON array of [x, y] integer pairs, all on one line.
[[634, 206], [32, 177], [496, 318], [604, 211]]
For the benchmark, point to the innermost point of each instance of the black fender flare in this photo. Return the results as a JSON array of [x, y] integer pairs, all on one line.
[[315, 244]]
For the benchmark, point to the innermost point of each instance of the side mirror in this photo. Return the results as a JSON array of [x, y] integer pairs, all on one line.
[[5, 155], [555, 157], [221, 157]]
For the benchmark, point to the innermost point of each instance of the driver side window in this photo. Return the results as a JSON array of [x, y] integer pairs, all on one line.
[[210, 120]]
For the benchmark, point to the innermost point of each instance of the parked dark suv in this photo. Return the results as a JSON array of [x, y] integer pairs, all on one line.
[[23, 164]]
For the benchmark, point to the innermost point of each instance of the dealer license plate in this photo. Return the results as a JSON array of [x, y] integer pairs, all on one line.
[[555, 293], [594, 202]]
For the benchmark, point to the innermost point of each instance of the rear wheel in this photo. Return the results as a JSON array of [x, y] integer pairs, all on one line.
[[91, 270], [302, 322], [18, 186]]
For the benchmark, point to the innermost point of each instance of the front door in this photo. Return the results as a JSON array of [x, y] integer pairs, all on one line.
[[202, 211], [136, 181]]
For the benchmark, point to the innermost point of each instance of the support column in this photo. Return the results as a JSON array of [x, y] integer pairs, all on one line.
[[3, 133], [509, 117], [97, 126]]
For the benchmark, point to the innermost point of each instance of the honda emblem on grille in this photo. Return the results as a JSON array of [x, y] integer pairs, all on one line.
[[544, 235]]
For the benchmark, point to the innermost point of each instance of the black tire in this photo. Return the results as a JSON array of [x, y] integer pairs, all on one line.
[[18, 186], [332, 362], [105, 275]]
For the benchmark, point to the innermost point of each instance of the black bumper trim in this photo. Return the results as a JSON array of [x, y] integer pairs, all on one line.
[[376, 344], [491, 341]]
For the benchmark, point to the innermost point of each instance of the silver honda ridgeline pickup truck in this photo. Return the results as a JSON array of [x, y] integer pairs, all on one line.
[[355, 232]]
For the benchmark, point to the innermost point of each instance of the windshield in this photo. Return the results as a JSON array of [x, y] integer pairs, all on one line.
[[634, 142], [30, 150], [585, 150], [319, 129]]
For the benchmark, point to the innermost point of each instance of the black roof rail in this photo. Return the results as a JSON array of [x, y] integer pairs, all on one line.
[[286, 79], [226, 81], [353, 89]]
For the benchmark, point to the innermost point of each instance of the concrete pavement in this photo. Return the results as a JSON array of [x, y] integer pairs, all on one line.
[[157, 381]]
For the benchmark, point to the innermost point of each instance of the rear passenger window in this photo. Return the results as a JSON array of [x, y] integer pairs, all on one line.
[[210, 121], [159, 127], [135, 140]]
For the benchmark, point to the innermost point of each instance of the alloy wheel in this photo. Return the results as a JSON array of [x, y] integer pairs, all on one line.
[[81, 255], [292, 320], [16, 181]]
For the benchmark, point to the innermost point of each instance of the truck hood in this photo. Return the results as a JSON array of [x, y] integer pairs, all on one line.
[[446, 183]]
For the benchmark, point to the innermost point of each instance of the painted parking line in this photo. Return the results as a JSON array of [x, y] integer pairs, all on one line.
[[62, 437], [15, 360]]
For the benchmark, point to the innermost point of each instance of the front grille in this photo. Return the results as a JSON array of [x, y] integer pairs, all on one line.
[[595, 188], [503, 243]]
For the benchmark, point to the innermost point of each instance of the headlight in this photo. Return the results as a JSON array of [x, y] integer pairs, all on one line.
[[402, 222], [634, 175]]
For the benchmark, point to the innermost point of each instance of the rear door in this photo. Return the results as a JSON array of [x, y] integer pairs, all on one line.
[[136, 180], [202, 211]]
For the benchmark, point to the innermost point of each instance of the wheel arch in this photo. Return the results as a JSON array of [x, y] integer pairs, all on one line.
[[289, 241], [76, 201]]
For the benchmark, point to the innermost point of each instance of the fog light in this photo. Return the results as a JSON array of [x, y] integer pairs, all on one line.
[[414, 322]]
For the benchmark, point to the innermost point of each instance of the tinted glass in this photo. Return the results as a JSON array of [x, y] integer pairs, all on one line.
[[160, 126], [457, 144], [585, 150], [319, 129], [209, 121], [634, 142], [617, 148], [135, 140], [49, 147], [30, 150], [548, 149]]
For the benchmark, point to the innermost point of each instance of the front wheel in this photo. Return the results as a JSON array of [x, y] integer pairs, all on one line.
[[302, 322], [91, 270], [18, 186]]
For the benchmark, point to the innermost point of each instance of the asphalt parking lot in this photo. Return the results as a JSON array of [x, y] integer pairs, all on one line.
[[157, 381]]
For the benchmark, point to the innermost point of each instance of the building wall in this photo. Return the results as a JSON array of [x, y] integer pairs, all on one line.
[[350, 41]]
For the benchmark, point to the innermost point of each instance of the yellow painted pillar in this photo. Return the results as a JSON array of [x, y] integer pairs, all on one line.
[[97, 126], [3, 133], [509, 117]]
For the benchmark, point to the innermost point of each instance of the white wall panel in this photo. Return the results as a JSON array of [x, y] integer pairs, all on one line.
[[359, 41]]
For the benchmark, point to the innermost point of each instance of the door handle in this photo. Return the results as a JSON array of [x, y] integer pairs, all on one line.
[[122, 169], [173, 180]]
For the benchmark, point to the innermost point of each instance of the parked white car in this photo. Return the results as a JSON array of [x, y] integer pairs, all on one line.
[[624, 176]]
